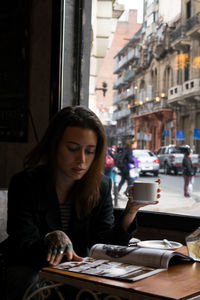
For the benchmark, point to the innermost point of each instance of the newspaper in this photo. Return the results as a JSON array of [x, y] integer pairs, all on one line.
[[123, 263]]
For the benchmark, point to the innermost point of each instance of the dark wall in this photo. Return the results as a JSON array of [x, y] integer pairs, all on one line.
[[36, 82], [49, 46]]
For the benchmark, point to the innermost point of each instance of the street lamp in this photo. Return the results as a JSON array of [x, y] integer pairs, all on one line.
[[104, 88], [157, 99], [162, 95]]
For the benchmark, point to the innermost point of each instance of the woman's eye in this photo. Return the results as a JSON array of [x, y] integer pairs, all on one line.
[[89, 152], [72, 149]]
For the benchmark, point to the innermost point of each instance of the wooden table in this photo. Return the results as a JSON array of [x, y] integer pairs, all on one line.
[[178, 282]]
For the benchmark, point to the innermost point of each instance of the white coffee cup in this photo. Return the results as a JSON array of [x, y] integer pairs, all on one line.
[[144, 192]]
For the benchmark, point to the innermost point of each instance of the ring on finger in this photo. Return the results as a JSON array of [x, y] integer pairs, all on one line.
[[61, 250]]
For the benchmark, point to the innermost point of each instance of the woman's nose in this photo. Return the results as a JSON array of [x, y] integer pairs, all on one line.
[[81, 156]]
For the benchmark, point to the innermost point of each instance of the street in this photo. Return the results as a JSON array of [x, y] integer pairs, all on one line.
[[172, 199]]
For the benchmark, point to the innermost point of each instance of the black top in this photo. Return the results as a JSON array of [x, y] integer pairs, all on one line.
[[127, 158], [188, 168], [33, 211]]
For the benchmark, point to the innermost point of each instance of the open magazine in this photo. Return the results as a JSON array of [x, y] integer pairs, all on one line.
[[124, 263]]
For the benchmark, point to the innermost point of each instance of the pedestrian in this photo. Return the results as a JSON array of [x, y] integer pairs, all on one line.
[[60, 204], [109, 163], [114, 169], [188, 171], [127, 158]]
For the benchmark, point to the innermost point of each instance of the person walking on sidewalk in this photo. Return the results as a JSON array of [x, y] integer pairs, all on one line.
[[127, 158], [188, 171]]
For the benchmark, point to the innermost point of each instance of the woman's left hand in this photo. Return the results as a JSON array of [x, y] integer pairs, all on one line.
[[59, 244], [132, 206]]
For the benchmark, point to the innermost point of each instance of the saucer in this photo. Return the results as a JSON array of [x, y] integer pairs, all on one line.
[[159, 244]]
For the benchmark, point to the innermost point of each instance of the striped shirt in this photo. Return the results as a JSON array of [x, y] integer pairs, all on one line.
[[65, 214]]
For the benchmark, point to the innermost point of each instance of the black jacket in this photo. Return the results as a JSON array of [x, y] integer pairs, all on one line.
[[127, 158], [33, 211], [188, 168]]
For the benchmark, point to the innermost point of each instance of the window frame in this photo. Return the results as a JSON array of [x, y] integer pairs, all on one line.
[[162, 220]]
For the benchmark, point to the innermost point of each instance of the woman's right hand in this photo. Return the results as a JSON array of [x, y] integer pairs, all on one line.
[[59, 244]]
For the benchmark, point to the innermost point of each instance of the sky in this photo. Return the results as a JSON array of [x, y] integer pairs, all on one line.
[[134, 4]]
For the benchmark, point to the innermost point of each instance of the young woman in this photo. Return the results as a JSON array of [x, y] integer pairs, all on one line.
[[60, 204]]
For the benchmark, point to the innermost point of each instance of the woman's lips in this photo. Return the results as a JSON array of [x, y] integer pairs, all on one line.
[[78, 170]]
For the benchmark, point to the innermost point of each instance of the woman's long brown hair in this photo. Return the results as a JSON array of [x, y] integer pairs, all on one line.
[[86, 191]]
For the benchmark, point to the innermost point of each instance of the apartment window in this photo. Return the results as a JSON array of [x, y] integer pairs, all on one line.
[[188, 9], [186, 73], [155, 16]]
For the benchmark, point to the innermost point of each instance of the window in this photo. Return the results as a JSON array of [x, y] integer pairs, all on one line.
[[163, 91], [188, 9]]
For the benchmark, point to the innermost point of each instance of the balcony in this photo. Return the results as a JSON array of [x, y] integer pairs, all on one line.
[[125, 131], [193, 26], [120, 114], [191, 88], [188, 90], [118, 82], [178, 37], [177, 33], [133, 54], [130, 92], [124, 95], [128, 76], [118, 97], [125, 60], [151, 106], [119, 64], [124, 79], [174, 93]]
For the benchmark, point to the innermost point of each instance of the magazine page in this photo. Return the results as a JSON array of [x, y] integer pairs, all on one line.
[[156, 258], [109, 269], [122, 262]]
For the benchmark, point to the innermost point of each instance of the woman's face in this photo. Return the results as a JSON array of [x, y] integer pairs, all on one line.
[[76, 153]]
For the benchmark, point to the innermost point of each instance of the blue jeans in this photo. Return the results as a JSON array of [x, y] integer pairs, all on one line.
[[186, 184], [124, 178]]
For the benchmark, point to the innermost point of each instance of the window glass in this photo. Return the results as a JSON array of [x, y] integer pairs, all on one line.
[[145, 87]]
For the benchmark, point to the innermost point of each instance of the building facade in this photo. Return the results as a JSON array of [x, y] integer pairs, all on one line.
[[184, 94], [164, 105], [105, 14]]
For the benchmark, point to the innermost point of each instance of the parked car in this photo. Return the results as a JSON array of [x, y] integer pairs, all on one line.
[[148, 161], [171, 157]]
